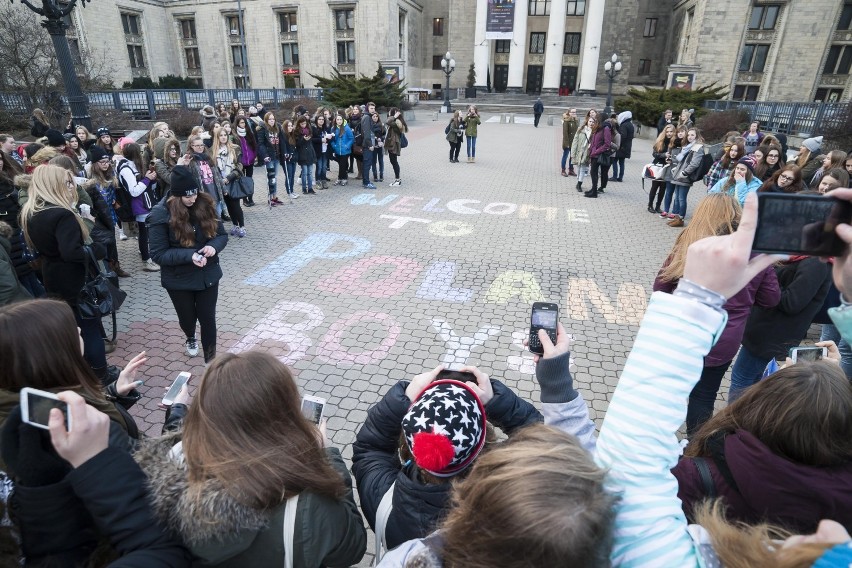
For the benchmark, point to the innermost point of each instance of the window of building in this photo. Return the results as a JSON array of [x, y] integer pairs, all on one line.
[[502, 45], [745, 92], [436, 62], [241, 82], [437, 26], [576, 7], [537, 40], [754, 58], [134, 52], [764, 17], [539, 8], [234, 28], [237, 55], [650, 27], [838, 61], [644, 67], [193, 61], [572, 43], [344, 19], [828, 95], [288, 22], [845, 18], [290, 52], [130, 23], [402, 34], [187, 29], [345, 52]]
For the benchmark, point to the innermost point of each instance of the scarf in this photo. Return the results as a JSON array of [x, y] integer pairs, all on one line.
[[224, 162], [241, 132]]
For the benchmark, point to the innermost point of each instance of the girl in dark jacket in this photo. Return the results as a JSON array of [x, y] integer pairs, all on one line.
[[39, 124], [305, 156], [770, 163], [455, 136], [186, 238], [396, 129], [598, 147], [288, 156], [227, 157], [379, 155], [9, 210], [660, 153], [786, 180], [717, 214], [321, 136], [269, 153], [248, 148]]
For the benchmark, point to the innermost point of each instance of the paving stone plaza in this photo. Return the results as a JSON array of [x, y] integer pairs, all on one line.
[[356, 289]]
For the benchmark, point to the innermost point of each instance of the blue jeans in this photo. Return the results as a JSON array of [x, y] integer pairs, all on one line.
[[365, 165], [830, 333], [667, 200], [702, 399], [471, 147], [322, 167], [289, 175], [748, 370], [307, 177], [379, 160], [680, 200], [566, 158], [271, 181], [618, 168]]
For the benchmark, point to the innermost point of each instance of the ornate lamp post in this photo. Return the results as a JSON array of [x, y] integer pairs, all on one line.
[[53, 22], [611, 68], [448, 64]]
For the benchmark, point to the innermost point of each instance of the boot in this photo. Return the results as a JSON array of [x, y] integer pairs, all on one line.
[[209, 353], [571, 172], [115, 266], [225, 217], [579, 186], [564, 174], [591, 193]]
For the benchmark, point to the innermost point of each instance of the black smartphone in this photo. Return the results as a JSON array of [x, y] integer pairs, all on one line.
[[544, 316], [461, 376], [790, 223]]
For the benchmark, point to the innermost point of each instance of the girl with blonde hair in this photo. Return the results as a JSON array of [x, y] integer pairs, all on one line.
[[227, 156]]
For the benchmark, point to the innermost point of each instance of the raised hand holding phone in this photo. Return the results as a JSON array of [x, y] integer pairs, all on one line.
[[90, 435], [419, 383]]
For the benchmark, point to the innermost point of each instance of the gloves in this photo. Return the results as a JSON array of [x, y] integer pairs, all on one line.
[[29, 455]]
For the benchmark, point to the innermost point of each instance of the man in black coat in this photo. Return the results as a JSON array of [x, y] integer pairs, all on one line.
[[666, 119], [538, 109]]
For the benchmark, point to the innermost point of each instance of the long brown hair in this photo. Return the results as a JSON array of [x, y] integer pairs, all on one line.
[[133, 152], [678, 142], [716, 214], [544, 491], [794, 187], [725, 160], [731, 182], [257, 444], [182, 219], [761, 167], [802, 413], [285, 132], [40, 348], [663, 141]]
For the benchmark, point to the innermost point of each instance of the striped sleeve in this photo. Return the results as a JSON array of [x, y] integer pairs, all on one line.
[[638, 442]]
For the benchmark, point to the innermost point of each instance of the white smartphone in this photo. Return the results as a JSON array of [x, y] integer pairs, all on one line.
[[313, 408], [178, 384], [808, 353], [36, 406]]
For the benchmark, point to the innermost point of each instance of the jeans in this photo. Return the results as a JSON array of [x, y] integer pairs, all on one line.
[[618, 168], [702, 399], [271, 181], [143, 240], [747, 371], [566, 158], [830, 333], [343, 164], [471, 146], [307, 176], [582, 172], [680, 200], [667, 200], [599, 171], [537, 118], [379, 160], [322, 167], [365, 166], [199, 306], [455, 148], [93, 342], [235, 211], [289, 175], [394, 160]]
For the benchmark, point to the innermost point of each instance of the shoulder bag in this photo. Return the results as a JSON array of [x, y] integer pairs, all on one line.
[[241, 188], [99, 297], [403, 140]]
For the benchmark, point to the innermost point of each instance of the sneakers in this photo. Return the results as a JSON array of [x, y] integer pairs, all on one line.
[[369, 186], [344, 182], [294, 196], [396, 182], [671, 216], [151, 266], [312, 192], [191, 347], [337, 182], [233, 232], [381, 179], [121, 235], [664, 215], [241, 232]]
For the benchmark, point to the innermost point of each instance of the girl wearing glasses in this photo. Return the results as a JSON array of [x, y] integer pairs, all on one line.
[[786, 180], [771, 162]]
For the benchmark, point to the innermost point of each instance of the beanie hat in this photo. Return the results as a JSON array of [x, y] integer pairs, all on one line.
[[748, 162], [124, 141], [183, 182], [813, 144], [445, 427], [102, 131], [96, 153], [55, 138]]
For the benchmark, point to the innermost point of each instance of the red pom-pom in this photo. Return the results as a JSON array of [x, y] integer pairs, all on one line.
[[432, 452]]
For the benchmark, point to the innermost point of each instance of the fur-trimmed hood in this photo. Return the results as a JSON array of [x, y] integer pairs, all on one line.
[[209, 520], [23, 181], [207, 112]]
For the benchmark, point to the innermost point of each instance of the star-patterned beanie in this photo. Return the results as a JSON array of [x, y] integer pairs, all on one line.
[[445, 428]]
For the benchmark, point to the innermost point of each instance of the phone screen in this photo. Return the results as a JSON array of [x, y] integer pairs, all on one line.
[[800, 224], [545, 319], [312, 410], [178, 384], [809, 353], [40, 407]]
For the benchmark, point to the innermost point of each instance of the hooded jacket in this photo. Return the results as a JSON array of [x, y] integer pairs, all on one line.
[[767, 487], [10, 288], [222, 532], [628, 132], [569, 130], [208, 117], [418, 507], [600, 142], [161, 162]]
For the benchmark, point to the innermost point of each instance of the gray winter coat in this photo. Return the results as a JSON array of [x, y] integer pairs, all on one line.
[[683, 165]]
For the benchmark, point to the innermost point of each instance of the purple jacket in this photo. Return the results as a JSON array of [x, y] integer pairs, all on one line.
[[770, 488], [763, 291], [600, 142]]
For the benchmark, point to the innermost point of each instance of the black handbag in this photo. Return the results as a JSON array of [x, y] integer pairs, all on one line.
[[99, 297], [605, 160], [241, 188]]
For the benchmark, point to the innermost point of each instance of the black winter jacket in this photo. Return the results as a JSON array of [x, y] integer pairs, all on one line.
[[305, 149], [418, 508], [177, 271], [770, 332], [265, 147]]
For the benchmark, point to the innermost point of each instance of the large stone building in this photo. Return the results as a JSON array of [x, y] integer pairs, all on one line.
[[761, 49]]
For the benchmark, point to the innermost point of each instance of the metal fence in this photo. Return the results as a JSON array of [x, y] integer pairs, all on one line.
[[798, 119], [144, 104]]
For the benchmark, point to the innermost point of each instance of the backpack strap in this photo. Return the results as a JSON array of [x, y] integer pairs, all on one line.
[[290, 530], [706, 479], [382, 516]]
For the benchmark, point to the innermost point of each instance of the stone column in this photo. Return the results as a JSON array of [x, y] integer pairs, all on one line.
[[554, 49], [482, 47], [592, 30], [518, 50]]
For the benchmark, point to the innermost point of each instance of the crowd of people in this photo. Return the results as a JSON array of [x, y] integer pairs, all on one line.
[[239, 476]]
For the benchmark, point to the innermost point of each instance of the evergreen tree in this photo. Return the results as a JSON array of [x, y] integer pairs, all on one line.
[[648, 104], [471, 77], [341, 90]]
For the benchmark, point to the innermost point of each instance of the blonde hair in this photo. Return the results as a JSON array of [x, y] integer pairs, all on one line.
[[214, 151], [659, 144], [154, 133], [49, 190]]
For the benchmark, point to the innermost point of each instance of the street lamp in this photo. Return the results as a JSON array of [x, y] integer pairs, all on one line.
[[611, 68], [53, 13], [448, 64]]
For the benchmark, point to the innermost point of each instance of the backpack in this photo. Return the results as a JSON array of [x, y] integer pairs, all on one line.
[[149, 195], [615, 141], [703, 168]]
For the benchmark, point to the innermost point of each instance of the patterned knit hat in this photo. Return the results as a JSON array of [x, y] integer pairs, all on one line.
[[445, 428]]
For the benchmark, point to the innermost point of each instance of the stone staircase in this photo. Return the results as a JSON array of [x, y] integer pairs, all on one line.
[[520, 103]]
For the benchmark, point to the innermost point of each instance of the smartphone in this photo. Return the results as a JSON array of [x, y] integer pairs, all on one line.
[[807, 353], [790, 223], [36, 406], [544, 316], [173, 391], [313, 408], [461, 376]]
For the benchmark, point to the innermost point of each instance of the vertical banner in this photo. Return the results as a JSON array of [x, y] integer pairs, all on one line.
[[500, 19]]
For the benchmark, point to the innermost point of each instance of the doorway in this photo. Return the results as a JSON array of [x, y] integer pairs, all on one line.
[[501, 78], [535, 75], [568, 81]]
